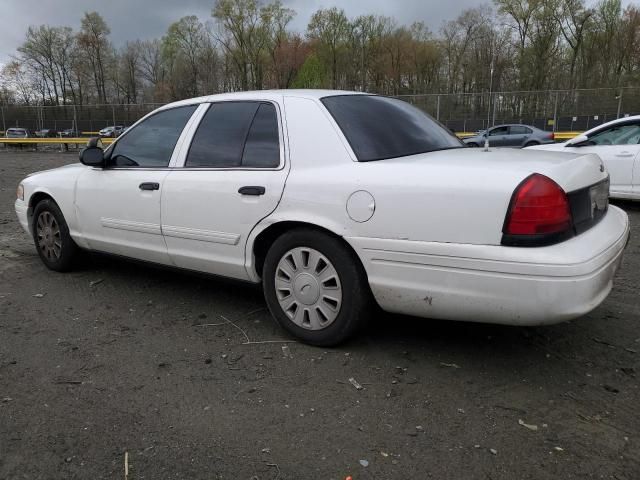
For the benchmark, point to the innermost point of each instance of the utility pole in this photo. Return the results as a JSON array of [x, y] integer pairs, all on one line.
[[620, 102], [486, 135], [555, 113], [362, 72], [75, 122], [490, 92]]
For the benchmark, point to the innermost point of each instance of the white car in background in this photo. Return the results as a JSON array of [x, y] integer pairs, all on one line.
[[617, 143], [333, 199]]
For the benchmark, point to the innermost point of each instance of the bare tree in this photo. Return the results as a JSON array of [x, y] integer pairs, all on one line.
[[93, 40]]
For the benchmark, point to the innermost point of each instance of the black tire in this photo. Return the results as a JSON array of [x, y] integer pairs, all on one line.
[[472, 145], [531, 144], [56, 250], [353, 310]]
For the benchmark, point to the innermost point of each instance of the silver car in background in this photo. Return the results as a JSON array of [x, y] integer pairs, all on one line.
[[512, 135], [15, 132], [113, 131]]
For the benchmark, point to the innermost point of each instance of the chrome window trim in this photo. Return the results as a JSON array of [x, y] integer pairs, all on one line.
[[186, 137]]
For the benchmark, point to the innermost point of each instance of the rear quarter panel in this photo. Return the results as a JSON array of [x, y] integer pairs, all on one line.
[[456, 196]]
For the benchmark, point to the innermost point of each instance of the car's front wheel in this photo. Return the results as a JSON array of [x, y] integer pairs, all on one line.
[[56, 248], [315, 287]]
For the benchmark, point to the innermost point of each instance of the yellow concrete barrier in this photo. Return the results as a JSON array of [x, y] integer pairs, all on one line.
[[107, 141], [52, 141], [558, 135], [566, 135]]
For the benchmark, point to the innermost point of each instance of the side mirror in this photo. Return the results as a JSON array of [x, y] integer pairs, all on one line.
[[576, 141], [93, 155]]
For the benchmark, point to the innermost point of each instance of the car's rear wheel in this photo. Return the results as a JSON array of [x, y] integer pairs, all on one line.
[[531, 144], [472, 145], [315, 287], [56, 248]]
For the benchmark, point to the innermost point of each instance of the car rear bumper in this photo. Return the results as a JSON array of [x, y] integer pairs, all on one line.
[[496, 284]]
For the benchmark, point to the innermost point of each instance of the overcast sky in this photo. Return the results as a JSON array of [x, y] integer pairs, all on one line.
[[132, 19], [143, 19]]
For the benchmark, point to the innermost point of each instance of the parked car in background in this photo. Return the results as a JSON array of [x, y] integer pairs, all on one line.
[[113, 131], [617, 143], [16, 132], [70, 133], [46, 133], [511, 136], [334, 199]]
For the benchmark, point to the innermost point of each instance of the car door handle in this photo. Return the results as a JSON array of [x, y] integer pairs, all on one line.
[[624, 154], [149, 186], [251, 190]]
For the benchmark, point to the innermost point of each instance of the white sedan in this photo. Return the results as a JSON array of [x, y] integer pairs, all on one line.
[[617, 143], [334, 200]]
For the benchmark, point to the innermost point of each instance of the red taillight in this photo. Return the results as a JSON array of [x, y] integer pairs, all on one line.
[[539, 206], [552, 136]]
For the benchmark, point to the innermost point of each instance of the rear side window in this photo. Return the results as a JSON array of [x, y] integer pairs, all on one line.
[[262, 148], [151, 142], [236, 134], [378, 128], [520, 130]]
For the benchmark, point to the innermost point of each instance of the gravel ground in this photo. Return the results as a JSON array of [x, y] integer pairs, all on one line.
[[119, 358]]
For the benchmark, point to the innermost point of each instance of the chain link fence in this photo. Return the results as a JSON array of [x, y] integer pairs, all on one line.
[[81, 118], [555, 110]]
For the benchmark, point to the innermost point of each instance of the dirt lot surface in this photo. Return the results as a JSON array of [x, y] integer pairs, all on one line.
[[119, 358]]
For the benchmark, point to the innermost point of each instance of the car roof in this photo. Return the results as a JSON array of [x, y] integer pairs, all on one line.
[[263, 95]]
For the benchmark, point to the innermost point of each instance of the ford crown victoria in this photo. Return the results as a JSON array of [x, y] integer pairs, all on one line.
[[334, 201]]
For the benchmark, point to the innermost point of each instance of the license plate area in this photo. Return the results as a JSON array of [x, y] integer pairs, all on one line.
[[589, 205], [599, 197]]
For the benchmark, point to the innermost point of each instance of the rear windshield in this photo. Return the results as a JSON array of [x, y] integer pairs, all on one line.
[[378, 128]]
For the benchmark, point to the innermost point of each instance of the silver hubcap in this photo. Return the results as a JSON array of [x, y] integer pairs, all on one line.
[[308, 288], [48, 232]]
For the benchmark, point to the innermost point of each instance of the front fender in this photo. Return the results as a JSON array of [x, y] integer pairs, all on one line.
[[60, 185]]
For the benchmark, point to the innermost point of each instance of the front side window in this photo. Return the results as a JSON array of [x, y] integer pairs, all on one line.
[[499, 131], [617, 135], [151, 143], [379, 128], [236, 134]]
